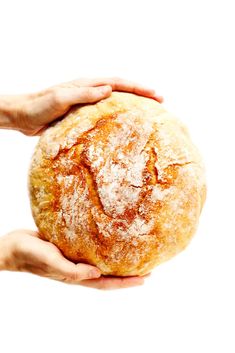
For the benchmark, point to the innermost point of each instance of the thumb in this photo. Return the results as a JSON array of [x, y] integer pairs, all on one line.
[[73, 273], [80, 95]]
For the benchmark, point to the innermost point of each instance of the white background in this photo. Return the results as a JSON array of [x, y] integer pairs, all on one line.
[[184, 49]]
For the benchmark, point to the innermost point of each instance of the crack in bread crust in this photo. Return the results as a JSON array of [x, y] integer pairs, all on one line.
[[92, 186]]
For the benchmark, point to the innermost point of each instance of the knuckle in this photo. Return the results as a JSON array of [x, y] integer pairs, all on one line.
[[89, 93], [117, 82], [75, 277], [56, 96]]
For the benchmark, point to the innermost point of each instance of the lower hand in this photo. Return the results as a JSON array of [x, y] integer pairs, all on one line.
[[23, 250], [33, 112]]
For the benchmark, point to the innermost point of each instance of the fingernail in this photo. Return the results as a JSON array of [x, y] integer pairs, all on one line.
[[94, 274]]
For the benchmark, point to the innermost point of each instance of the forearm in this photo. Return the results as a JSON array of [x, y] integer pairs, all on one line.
[[8, 112]]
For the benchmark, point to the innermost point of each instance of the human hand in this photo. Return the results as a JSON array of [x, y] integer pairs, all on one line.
[[33, 112], [23, 250]]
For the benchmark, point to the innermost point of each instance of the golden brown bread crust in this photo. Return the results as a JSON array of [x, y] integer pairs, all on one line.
[[117, 184]]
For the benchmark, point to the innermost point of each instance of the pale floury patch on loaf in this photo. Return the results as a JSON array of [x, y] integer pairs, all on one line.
[[74, 201], [119, 182]]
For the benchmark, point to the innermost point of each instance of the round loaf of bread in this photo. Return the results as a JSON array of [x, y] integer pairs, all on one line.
[[117, 184]]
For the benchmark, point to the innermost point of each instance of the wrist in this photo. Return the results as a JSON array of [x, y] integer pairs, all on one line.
[[6, 251]]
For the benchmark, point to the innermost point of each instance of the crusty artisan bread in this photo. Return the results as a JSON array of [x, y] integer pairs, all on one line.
[[117, 184]]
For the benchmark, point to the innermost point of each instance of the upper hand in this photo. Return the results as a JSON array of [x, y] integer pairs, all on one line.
[[23, 250], [35, 111]]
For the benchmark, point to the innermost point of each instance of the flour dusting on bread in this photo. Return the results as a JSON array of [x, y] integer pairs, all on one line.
[[117, 184], [118, 163]]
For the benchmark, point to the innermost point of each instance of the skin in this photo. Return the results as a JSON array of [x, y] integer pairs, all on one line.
[[24, 250]]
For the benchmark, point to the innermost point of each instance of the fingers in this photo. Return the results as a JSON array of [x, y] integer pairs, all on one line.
[[69, 272], [67, 96], [90, 276], [113, 282], [82, 272], [119, 84], [43, 107]]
